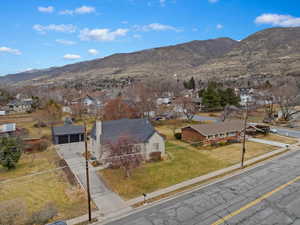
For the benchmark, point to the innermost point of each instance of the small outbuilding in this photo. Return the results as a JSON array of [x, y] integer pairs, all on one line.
[[67, 134]]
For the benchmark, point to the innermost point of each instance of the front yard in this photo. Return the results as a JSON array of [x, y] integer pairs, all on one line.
[[36, 190], [184, 162], [278, 138]]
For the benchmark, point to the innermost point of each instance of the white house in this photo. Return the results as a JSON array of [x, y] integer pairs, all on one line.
[[140, 130]]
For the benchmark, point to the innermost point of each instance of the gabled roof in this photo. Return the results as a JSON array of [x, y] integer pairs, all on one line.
[[140, 130], [67, 129], [218, 128]]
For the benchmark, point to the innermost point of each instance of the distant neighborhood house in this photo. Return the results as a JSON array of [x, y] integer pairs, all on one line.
[[20, 106], [8, 129], [140, 130]]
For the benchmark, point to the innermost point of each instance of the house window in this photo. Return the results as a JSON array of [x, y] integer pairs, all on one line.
[[156, 146]]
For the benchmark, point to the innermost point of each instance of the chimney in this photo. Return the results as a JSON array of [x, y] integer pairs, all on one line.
[[98, 143], [98, 129]]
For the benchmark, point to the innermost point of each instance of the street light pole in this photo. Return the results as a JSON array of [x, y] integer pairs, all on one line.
[[87, 172], [244, 135]]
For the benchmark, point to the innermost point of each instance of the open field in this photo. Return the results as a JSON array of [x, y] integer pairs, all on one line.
[[37, 190]]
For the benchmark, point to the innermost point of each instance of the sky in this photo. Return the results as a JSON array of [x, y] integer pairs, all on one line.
[[39, 34]]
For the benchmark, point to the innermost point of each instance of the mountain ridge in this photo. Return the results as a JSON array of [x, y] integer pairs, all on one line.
[[272, 52]]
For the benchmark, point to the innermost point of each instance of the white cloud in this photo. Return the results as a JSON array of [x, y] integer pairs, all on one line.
[[101, 34], [80, 11], [213, 1], [156, 27], [219, 26], [162, 2], [49, 9], [71, 56], [124, 22], [93, 51], [10, 50], [65, 28], [278, 20], [65, 42]]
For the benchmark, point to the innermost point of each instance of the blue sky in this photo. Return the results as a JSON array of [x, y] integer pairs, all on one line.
[[43, 33]]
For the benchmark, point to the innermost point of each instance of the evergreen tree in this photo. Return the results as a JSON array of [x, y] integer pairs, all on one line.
[[10, 152]]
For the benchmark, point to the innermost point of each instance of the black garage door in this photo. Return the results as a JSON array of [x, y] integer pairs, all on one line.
[[63, 139], [74, 138]]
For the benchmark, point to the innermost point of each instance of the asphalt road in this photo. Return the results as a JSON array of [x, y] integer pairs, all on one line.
[[288, 132], [268, 194]]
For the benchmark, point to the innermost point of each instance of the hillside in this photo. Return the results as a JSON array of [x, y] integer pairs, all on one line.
[[157, 61], [270, 52], [267, 53]]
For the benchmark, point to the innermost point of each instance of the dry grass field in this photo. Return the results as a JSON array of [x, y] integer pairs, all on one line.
[[49, 185]]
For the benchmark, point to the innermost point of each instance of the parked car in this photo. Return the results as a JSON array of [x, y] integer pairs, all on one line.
[[273, 130]]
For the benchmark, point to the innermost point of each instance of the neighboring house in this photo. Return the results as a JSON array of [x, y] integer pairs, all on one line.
[[214, 132], [140, 130], [2, 112], [8, 129], [88, 101], [67, 109], [67, 134], [163, 100], [20, 106]]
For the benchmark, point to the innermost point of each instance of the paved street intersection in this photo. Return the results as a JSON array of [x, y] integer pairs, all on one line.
[[268, 194]]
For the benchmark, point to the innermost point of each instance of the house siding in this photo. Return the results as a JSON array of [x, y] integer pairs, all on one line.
[[190, 135], [149, 146]]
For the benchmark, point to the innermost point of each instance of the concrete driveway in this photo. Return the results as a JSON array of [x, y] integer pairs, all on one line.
[[107, 201]]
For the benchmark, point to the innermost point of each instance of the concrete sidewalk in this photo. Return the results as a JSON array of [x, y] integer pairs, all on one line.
[[205, 177], [274, 143]]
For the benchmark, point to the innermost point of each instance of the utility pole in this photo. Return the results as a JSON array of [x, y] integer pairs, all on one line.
[[87, 172], [244, 135]]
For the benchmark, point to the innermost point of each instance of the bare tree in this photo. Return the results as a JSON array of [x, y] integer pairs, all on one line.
[[189, 108], [144, 97], [286, 96], [230, 111], [118, 108], [124, 153]]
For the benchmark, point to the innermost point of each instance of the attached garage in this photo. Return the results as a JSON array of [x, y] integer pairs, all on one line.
[[67, 134]]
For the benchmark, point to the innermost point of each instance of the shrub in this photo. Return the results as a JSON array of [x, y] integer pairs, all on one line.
[[197, 144], [37, 146], [155, 156], [44, 215], [223, 143], [177, 136], [214, 144], [40, 124]]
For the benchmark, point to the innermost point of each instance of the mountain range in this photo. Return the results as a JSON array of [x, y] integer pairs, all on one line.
[[270, 52]]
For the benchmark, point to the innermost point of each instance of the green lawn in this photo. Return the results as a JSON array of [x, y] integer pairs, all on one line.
[[183, 164]]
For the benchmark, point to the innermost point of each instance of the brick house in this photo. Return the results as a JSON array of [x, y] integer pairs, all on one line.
[[213, 133]]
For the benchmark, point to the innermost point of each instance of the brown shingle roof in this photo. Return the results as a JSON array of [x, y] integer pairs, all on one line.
[[218, 128]]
